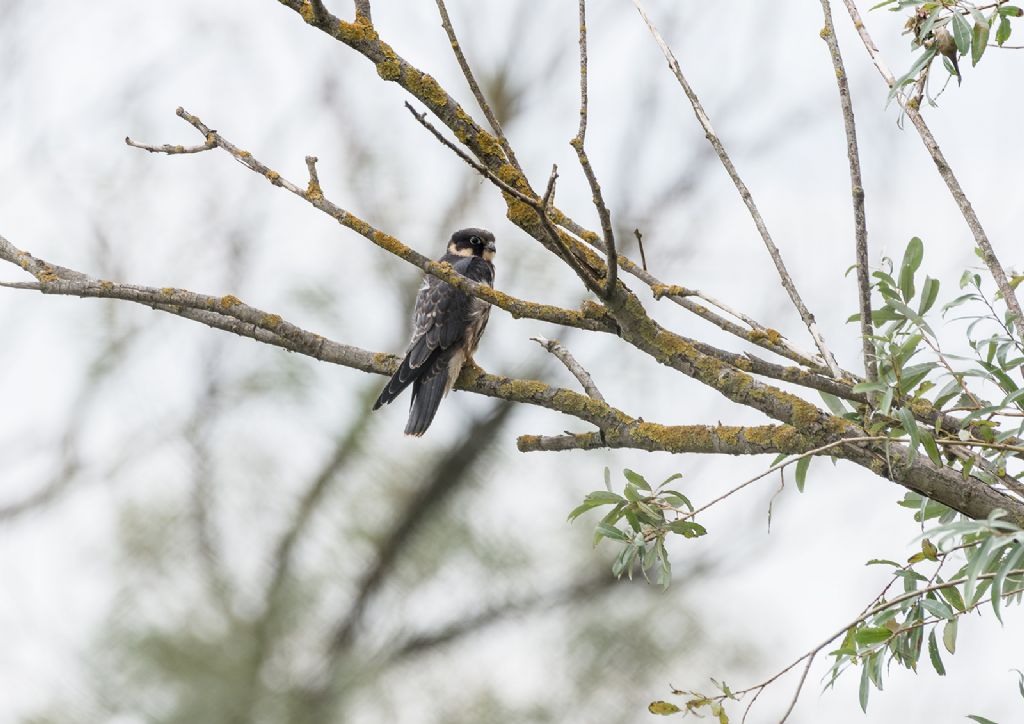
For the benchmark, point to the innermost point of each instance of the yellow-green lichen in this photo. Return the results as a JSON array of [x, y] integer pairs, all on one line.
[[489, 145], [167, 291], [389, 69], [358, 32], [770, 336], [270, 321], [105, 285], [229, 301], [423, 86], [273, 176], [521, 214]]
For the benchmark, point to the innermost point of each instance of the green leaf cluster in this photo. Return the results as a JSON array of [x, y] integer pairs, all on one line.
[[899, 627], [640, 519], [951, 29]]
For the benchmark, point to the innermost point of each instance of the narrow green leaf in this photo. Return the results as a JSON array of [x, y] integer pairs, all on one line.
[[604, 530], [687, 528], [949, 635], [864, 689], [977, 561], [1003, 31], [801, 472], [834, 404], [929, 293], [869, 635], [870, 387], [883, 562], [676, 499], [1011, 10], [928, 443], [952, 595], [637, 479], [961, 33], [933, 654], [980, 719], [910, 427], [979, 41], [937, 608], [593, 500], [1014, 555], [911, 261], [670, 478]]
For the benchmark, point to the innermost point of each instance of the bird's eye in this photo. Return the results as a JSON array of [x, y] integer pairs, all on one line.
[[475, 240]]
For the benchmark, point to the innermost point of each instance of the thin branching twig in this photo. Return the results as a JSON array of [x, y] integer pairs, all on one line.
[[828, 33], [492, 119], [988, 254], [748, 199], [578, 143]]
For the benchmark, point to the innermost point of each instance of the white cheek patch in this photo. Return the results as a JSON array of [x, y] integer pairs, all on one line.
[[467, 251], [489, 255]]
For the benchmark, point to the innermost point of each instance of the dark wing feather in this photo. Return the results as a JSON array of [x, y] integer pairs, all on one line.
[[441, 317], [439, 323]]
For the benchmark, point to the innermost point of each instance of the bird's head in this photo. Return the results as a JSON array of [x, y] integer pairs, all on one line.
[[473, 242]]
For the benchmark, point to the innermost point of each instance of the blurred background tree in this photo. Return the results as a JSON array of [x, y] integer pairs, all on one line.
[[203, 529]]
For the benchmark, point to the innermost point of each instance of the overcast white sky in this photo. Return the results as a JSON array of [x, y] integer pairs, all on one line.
[[75, 79]]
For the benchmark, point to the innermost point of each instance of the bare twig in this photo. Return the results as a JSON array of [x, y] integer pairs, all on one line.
[[555, 241], [945, 171], [549, 192], [475, 87], [577, 370], [315, 197], [799, 688], [748, 199], [172, 150], [313, 187], [785, 463], [871, 611], [828, 33], [578, 143], [640, 244]]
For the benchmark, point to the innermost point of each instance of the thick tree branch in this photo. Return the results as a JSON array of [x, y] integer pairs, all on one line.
[[492, 119], [932, 146], [810, 426], [748, 199], [363, 38]]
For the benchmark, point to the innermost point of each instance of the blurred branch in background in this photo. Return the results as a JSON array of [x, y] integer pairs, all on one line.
[[195, 635]]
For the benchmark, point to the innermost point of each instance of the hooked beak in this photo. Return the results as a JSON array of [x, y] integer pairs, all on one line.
[[491, 248]]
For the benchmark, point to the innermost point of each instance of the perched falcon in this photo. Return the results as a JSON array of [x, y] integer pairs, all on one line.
[[446, 328]]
